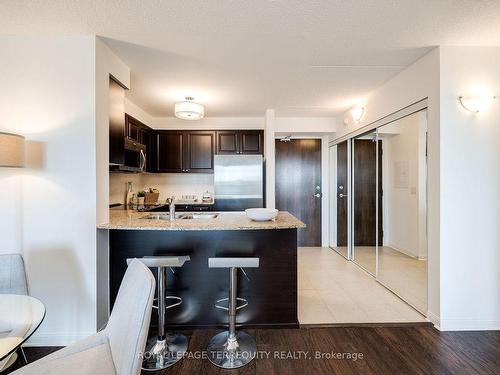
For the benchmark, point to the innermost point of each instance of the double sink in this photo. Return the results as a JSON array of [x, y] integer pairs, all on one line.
[[182, 216]]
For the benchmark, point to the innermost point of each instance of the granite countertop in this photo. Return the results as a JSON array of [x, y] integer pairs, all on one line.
[[133, 220], [121, 206]]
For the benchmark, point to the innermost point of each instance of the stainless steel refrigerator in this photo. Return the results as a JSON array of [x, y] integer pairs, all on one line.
[[239, 182]]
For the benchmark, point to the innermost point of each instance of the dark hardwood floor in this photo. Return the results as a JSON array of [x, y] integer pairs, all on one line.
[[385, 350]]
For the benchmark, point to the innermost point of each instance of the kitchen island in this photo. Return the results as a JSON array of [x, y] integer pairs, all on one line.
[[271, 289]]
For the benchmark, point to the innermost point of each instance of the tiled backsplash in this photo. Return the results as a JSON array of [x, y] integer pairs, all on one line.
[[168, 184]]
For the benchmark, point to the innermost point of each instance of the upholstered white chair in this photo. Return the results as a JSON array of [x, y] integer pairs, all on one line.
[[12, 281], [116, 349], [12, 275]]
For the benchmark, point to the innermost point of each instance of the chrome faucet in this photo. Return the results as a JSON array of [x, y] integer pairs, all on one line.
[[171, 207]]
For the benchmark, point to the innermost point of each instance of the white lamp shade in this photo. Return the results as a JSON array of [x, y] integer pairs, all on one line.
[[476, 103], [11, 150], [357, 113], [189, 110]]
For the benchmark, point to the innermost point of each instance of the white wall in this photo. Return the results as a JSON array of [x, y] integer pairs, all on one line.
[[419, 81], [296, 125], [48, 212], [470, 191]]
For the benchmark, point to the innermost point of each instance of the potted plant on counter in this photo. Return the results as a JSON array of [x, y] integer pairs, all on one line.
[[140, 198]]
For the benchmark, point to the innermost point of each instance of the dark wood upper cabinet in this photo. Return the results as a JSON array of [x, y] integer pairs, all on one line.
[[147, 139], [170, 151], [227, 142], [251, 142], [232, 142], [192, 151], [133, 129], [199, 152], [143, 134], [185, 151], [116, 123]]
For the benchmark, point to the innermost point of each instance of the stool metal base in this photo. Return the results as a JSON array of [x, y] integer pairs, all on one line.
[[162, 354], [231, 353]]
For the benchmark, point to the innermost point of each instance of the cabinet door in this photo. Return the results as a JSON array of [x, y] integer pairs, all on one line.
[[170, 151], [227, 142], [251, 142], [147, 140], [133, 128], [116, 123], [200, 149]]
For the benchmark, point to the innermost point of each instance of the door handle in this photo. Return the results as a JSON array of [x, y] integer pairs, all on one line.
[[318, 195], [342, 195], [143, 161]]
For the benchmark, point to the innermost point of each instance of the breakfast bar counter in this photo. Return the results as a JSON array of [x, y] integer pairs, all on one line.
[[271, 289], [133, 220]]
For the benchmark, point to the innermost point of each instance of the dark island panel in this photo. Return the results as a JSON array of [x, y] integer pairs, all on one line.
[[271, 290]]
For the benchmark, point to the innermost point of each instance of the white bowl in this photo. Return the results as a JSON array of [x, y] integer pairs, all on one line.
[[261, 214]]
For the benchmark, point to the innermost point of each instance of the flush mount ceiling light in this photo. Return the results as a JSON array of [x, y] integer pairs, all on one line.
[[357, 113], [189, 110], [476, 103], [11, 150]]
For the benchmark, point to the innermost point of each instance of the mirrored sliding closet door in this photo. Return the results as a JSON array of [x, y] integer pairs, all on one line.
[[339, 202], [402, 256], [382, 224], [366, 152]]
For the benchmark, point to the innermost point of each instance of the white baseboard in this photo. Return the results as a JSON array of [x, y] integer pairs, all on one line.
[[434, 319], [405, 252], [55, 339], [470, 325]]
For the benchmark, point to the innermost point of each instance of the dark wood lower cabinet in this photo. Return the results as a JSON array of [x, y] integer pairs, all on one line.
[[271, 291]]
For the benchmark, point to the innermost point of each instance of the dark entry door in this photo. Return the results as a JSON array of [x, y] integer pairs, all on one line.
[[365, 192], [298, 185]]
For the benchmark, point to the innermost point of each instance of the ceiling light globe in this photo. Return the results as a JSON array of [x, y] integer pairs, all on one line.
[[189, 110]]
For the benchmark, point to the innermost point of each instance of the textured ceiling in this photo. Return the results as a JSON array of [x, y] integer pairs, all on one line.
[[303, 58]]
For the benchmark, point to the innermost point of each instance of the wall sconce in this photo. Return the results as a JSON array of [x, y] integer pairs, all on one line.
[[11, 150], [476, 103], [357, 114]]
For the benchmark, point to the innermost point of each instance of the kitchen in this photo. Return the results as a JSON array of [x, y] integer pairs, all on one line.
[[198, 195]]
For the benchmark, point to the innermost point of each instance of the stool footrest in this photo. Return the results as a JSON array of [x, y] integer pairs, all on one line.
[[245, 303], [175, 298]]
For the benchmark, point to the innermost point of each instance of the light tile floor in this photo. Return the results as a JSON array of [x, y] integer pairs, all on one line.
[[403, 274], [333, 290]]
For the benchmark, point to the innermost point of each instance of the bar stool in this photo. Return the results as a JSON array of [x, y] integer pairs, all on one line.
[[232, 349], [166, 349]]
